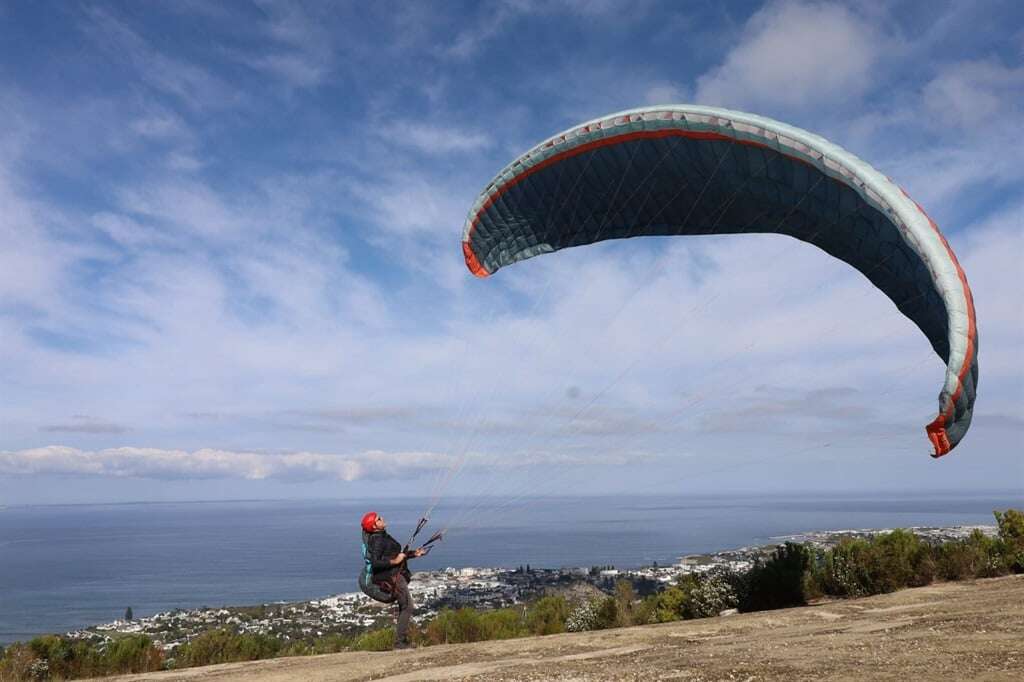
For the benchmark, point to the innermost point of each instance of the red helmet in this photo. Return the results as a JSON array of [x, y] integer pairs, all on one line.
[[369, 521]]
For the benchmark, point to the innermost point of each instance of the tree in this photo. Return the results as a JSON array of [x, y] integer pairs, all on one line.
[[1011, 534], [781, 581], [128, 616], [624, 598]]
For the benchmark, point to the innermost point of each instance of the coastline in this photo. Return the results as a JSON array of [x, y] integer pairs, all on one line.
[[478, 587]]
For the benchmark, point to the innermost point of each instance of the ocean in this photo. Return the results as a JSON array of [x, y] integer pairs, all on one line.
[[64, 567]]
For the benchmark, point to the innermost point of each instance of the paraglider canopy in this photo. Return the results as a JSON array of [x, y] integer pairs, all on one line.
[[691, 170]]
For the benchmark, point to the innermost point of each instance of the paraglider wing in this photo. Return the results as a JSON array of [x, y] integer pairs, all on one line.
[[688, 170]]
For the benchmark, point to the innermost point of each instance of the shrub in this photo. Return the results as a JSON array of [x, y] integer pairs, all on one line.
[[547, 616], [842, 574], [713, 593], [55, 654], [607, 614], [501, 624], [645, 611], [376, 640], [224, 646], [781, 581], [18, 663], [298, 648], [331, 644], [468, 625], [55, 657], [666, 606], [1011, 535], [673, 602], [132, 654], [584, 617], [977, 556], [625, 597], [900, 560]]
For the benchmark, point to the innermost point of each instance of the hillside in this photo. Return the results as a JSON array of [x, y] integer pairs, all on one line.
[[966, 630]]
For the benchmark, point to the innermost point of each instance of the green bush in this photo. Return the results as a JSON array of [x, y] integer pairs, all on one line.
[[331, 644], [224, 646], [547, 616], [625, 597], [376, 640], [885, 563], [667, 605], [644, 612], [298, 648], [842, 573], [54, 657], [977, 556], [455, 627], [469, 625], [1011, 535], [781, 581], [132, 654], [900, 559], [501, 624], [56, 654], [673, 602], [18, 663], [607, 614]]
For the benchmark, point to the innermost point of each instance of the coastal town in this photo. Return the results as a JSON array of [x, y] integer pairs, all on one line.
[[480, 588]]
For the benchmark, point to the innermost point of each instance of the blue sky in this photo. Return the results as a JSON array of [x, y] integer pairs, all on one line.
[[231, 268]]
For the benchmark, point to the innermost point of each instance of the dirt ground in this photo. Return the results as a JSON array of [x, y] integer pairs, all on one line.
[[950, 631]]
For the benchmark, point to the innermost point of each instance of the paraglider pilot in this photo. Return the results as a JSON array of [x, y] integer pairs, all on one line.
[[386, 575]]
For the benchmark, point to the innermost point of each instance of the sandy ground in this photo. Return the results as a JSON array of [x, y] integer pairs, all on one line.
[[951, 631]]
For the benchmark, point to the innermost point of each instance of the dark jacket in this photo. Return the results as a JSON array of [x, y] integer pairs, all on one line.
[[381, 548]]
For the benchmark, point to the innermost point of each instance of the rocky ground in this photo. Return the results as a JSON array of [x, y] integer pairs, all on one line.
[[949, 631]]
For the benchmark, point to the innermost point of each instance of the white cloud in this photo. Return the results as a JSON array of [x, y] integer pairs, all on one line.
[[297, 69], [991, 253], [183, 206], [124, 230], [795, 55], [975, 94], [433, 139], [952, 141], [489, 23], [81, 423], [31, 263], [193, 85], [211, 463], [160, 124], [665, 93], [411, 203]]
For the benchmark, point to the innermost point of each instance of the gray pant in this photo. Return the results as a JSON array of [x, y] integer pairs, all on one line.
[[405, 607]]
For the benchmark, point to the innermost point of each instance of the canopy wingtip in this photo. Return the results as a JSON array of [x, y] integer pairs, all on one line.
[[472, 262], [937, 435]]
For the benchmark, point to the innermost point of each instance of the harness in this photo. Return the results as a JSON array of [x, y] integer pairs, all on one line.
[[383, 590]]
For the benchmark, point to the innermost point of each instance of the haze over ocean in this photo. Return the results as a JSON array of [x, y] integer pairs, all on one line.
[[63, 567]]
